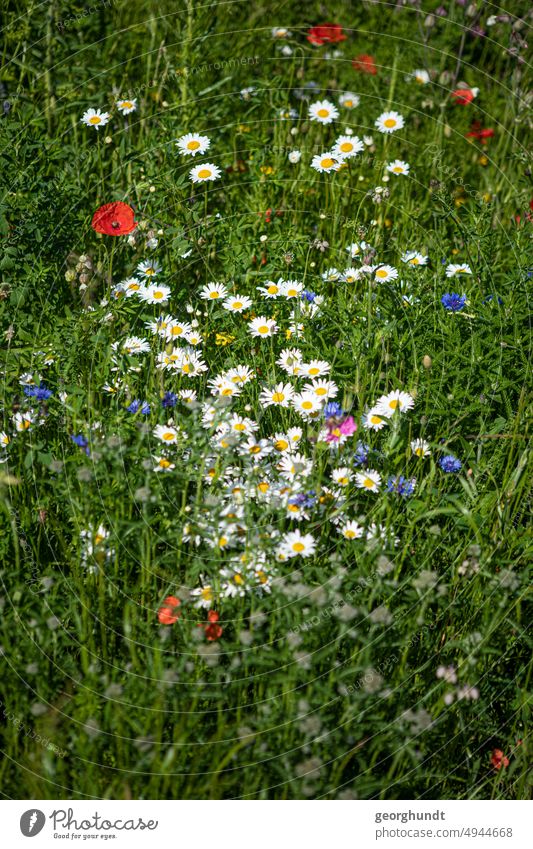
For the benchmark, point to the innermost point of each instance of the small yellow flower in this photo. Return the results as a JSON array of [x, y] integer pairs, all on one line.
[[483, 160], [243, 128], [222, 339], [266, 169]]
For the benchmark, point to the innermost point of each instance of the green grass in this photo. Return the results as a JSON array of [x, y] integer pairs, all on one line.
[[326, 687]]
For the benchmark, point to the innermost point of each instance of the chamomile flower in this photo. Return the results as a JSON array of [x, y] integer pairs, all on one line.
[[291, 288], [420, 76], [396, 400], [342, 476], [177, 329], [127, 106], [357, 248], [351, 275], [323, 111], [331, 275], [349, 100], [389, 122], [192, 143], [95, 118], [351, 530], [271, 289], [193, 337], [316, 368], [187, 396], [368, 480], [346, 147], [204, 596], [384, 273], [296, 544], [290, 360], [155, 294], [22, 421], [4, 439], [453, 269], [166, 434], [131, 286], [213, 292], [398, 167], [149, 268], [263, 327], [237, 303], [163, 464], [307, 404], [414, 258], [134, 345], [420, 448], [325, 162], [323, 389], [279, 396], [240, 374], [373, 420], [204, 173], [242, 425], [256, 448]]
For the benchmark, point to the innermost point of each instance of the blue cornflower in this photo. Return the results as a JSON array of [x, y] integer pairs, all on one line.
[[453, 302], [80, 441], [137, 405], [362, 452], [450, 464], [170, 399], [308, 296], [490, 298], [332, 410], [401, 485], [41, 393]]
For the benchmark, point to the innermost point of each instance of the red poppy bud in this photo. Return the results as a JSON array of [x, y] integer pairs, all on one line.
[[365, 64], [168, 612], [114, 219]]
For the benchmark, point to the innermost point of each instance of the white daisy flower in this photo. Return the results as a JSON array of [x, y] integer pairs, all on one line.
[[342, 476], [420, 448], [373, 420], [420, 76], [398, 167], [357, 248], [271, 289], [237, 303], [296, 544], [323, 389], [291, 288], [279, 396], [166, 433], [369, 480], [204, 173], [163, 464], [414, 258], [384, 273], [155, 294], [349, 100], [453, 269], [192, 143], [95, 118], [126, 106], [149, 268], [316, 368], [325, 162], [323, 111], [306, 403], [22, 421], [351, 530], [389, 122], [396, 400], [213, 292], [294, 156], [346, 147], [262, 326], [176, 329]]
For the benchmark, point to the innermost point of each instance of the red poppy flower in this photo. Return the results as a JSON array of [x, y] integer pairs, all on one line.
[[478, 132], [498, 759], [531, 204], [213, 630], [464, 96], [365, 64], [168, 612], [114, 219], [326, 34]]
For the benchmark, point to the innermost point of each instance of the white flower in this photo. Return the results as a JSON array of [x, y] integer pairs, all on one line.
[[342, 476], [262, 326], [373, 420], [414, 258], [192, 143], [351, 530], [126, 106], [95, 118], [398, 167], [162, 464], [279, 396], [346, 147], [452, 269], [155, 294], [213, 292], [323, 111], [166, 434], [396, 400], [386, 272], [420, 76], [295, 543], [294, 156], [237, 303], [148, 268], [325, 162], [306, 403], [389, 122], [420, 448], [204, 173], [369, 480], [349, 100]]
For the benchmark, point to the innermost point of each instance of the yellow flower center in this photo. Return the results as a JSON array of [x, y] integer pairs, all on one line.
[[95, 119], [272, 290], [346, 147], [168, 436], [239, 426], [226, 392], [222, 542], [263, 329], [320, 390], [323, 113], [206, 594], [390, 122], [126, 104], [314, 371], [307, 405], [327, 162], [193, 145], [176, 330], [204, 173], [349, 534], [369, 483], [278, 397], [263, 486], [164, 463], [237, 305], [281, 445], [158, 295], [298, 546], [214, 294], [381, 273], [394, 403]]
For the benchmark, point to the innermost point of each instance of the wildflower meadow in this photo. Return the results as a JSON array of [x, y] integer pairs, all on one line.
[[265, 471]]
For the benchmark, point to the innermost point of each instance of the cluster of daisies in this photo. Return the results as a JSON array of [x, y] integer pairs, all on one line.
[[98, 118], [192, 144]]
